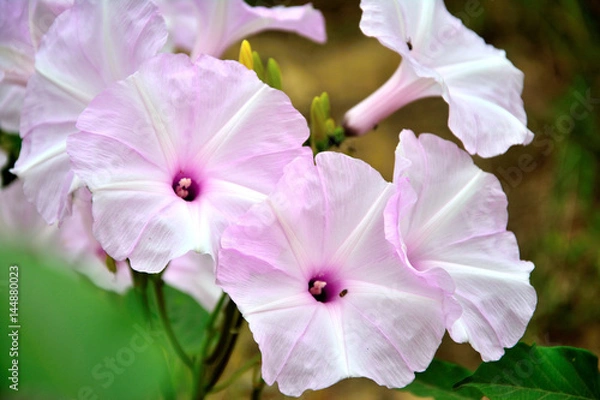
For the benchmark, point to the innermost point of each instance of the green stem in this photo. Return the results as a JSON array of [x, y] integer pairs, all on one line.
[[207, 340], [162, 312], [258, 384], [214, 357], [229, 334], [140, 284], [236, 375]]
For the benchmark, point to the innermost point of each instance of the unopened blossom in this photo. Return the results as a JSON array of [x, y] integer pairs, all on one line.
[[450, 216], [211, 26], [22, 24], [92, 44], [176, 151], [441, 57], [325, 294]]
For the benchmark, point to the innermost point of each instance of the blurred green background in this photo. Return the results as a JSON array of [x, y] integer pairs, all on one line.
[[553, 187]]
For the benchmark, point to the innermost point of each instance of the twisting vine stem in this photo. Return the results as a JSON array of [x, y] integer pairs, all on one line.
[[164, 318], [223, 327]]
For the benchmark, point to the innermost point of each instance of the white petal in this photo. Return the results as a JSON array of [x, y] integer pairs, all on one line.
[[458, 225], [89, 46]]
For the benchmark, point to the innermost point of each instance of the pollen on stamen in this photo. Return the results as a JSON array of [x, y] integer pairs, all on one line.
[[185, 187], [317, 289], [182, 185]]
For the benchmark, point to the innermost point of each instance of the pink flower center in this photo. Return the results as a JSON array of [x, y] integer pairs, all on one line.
[[185, 187]]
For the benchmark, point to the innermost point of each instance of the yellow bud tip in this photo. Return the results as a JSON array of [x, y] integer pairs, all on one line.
[[246, 55]]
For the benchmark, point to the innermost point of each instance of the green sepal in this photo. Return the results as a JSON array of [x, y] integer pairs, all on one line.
[[273, 74]]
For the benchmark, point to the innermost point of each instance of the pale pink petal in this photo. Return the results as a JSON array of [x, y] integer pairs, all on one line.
[[487, 114], [211, 124], [11, 103], [84, 253], [22, 24], [492, 286], [193, 274], [16, 50], [458, 224], [481, 86], [89, 46], [379, 319], [16, 61], [456, 200], [403, 87], [211, 26], [148, 228], [396, 23], [402, 330], [20, 222], [42, 14], [300, 350]]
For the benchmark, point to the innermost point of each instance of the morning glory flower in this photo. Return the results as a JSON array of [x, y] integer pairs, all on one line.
[[441, 57], [176, 151], [22, 24], [325, 294], [89, 46], [211, 26], [448, 215]]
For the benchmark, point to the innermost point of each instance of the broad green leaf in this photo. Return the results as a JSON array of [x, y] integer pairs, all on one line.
[[188, 319], [438, 382], [75, 341], [533, 372]]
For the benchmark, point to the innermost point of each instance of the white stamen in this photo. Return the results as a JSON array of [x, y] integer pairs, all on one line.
[[317, 288], [182, 185]]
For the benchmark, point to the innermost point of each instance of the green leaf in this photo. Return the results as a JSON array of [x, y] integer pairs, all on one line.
[[188, 319], [532, 372], [438, 382], [75, 341]]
